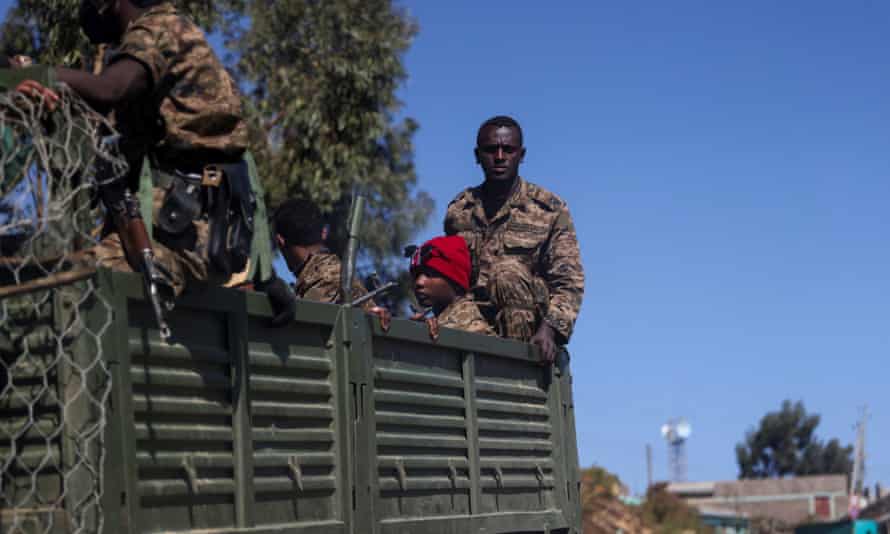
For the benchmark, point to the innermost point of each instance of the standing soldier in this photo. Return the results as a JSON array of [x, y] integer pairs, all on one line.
[[183, 134], [527, 272]]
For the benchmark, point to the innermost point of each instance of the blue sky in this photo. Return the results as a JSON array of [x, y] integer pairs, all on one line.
[[727, 165]]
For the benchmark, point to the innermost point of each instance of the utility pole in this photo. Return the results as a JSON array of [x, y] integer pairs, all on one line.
[[857, 481], [648, 466]]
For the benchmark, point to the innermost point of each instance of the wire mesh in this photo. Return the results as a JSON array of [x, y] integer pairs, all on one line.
[[54, 380]]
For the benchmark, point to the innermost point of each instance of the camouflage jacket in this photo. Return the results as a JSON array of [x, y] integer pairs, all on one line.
[[463, 314], [194, 112], [534, 227], [319, 280]]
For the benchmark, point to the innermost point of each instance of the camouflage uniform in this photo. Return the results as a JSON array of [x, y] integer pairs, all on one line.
[[319, 280], [463, 314], [526, 262], [183, 256], [191, 117], [194, 112]]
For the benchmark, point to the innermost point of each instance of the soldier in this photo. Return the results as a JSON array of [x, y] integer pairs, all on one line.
[[179, 112], [527, 272], [441, 271], [301, 234]]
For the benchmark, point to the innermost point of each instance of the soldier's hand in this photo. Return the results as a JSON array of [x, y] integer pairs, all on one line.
[[545, 338], [20, 61], [36, 90], [282, 300], [384, 316], [432, 323]]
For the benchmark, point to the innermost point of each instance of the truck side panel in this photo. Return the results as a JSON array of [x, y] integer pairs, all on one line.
[[327, 426]]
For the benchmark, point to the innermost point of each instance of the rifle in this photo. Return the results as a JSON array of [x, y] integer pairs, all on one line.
[[368, 296], [126, 218], [355, 222], [130, 227]]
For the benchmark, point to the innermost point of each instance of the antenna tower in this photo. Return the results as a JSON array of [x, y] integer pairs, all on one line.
[[676, 432]]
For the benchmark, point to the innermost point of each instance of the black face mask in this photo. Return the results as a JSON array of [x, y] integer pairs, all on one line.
[[99, 28]]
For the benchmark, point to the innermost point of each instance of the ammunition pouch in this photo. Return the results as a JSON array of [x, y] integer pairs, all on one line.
[[182, 204], [231, 205], [223, 194]]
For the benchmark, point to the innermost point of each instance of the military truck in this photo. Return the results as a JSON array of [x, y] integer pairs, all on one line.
[[327, 425]]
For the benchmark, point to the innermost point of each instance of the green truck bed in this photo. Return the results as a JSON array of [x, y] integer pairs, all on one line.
[[327, 426]]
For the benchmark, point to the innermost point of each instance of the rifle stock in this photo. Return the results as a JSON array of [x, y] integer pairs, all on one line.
[[140, 256]]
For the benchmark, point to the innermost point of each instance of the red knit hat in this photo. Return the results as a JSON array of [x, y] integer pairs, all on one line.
[[448, 256]]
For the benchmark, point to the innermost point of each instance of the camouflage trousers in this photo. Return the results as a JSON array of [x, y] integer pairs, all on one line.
[[519, 299], [183, 256]]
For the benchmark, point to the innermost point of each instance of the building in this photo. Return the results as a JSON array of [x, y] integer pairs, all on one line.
[[724, 520], [789, 501]]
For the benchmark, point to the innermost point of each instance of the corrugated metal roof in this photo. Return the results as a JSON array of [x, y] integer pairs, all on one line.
[[781, 486], [762, 487], [692, 488]]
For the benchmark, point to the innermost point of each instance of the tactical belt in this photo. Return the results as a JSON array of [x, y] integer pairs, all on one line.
[[211, 177], [224, 195]]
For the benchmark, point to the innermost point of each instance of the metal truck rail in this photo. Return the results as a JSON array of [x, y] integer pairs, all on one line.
[[326, 426]]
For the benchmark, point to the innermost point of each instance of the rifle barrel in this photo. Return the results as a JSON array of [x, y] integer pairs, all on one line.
[[365, 298], [355, 223]]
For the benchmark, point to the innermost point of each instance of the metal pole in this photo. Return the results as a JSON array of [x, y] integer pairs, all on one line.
[[648, 466], [347, 273]]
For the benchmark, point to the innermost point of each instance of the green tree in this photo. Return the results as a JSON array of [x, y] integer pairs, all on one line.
[[323, 78], [666, 513], [785, 444], [320, 82], [48, 30]]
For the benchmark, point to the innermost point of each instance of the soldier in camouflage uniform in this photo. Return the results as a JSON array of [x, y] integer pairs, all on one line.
[[301, 233], [527, 271], [441, 270], [175, 107]]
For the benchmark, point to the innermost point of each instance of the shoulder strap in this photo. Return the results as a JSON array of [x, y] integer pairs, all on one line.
[[261, 246]]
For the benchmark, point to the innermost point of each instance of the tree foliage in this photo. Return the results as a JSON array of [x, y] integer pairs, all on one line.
[[785, 444], [323, 79], [667, 513], [48, 30], [320, 82], [604, 511]]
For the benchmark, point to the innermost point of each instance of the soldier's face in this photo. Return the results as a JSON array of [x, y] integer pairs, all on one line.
[[433, 290], [499, 152]]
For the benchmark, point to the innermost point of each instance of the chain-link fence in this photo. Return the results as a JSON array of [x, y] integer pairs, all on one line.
[[54, 381]]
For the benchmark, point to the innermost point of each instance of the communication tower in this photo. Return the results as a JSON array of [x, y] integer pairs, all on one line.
[[676, 432]]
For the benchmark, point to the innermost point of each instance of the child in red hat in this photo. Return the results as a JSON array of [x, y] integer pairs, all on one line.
[[441, 270]]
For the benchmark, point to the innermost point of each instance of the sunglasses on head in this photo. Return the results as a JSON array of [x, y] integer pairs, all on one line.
[[420, 255]]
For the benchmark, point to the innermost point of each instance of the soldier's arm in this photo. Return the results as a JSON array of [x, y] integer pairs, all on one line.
[[564, 276], [450, 228], [328, 293], [126, 79], [140, 62], [480, 326]]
